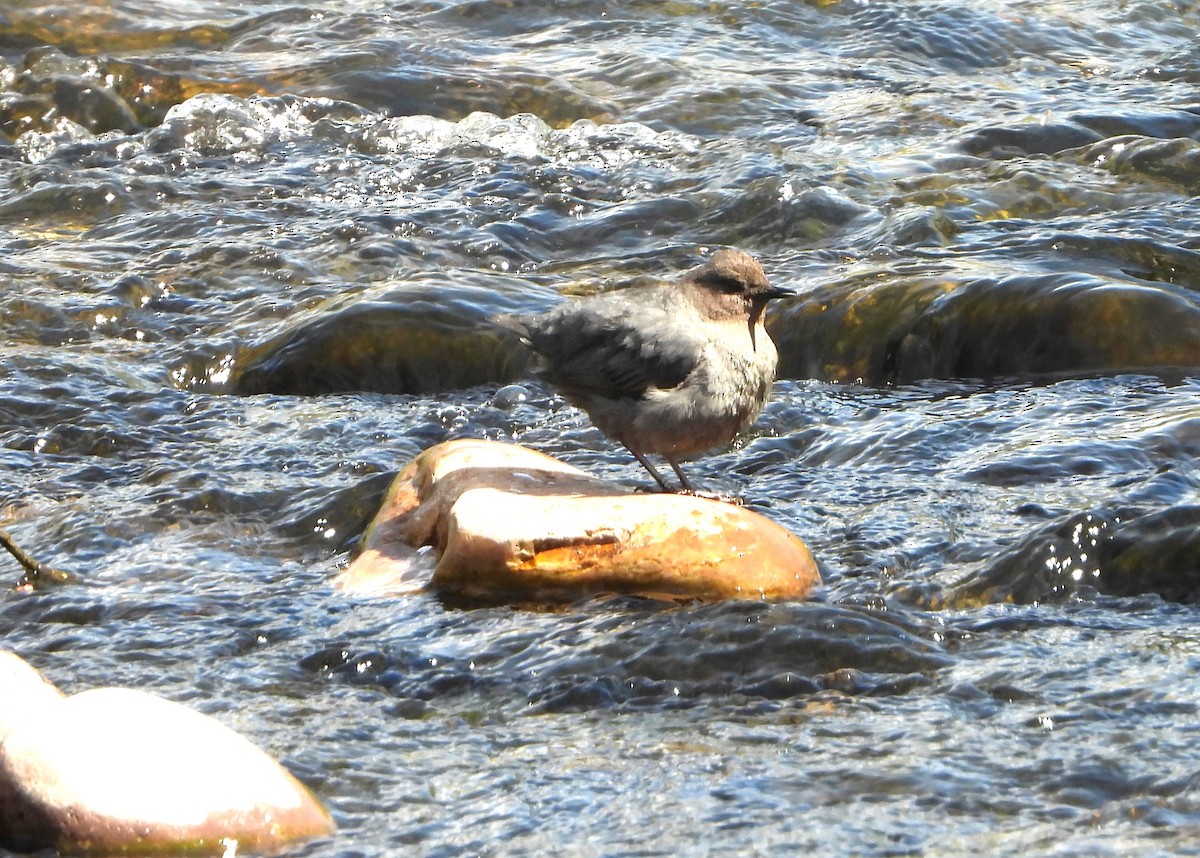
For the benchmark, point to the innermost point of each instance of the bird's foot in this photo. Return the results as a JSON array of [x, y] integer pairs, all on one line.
[[735, 500]]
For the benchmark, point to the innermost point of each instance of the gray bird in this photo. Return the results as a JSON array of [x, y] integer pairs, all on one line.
[[672, 369]]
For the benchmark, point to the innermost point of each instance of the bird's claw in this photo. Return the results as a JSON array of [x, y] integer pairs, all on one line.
[[721, 497]]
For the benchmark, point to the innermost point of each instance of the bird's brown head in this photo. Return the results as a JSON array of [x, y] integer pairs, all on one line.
[[731, 285]]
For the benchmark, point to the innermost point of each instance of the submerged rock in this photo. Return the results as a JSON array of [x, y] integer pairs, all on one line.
[[418, 343], [924, 326], [1175, 161], [872, 327], [1081, 129], [1114, 554], [1150, 122], [117, 771], [1030, 138], [482, 520]]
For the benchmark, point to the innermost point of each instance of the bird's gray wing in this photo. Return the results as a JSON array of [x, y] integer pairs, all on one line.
[[594, 348]]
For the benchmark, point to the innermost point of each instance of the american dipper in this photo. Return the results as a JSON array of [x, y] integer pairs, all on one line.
[[673, 368]]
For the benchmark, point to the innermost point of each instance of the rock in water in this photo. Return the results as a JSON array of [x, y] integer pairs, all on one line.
[[117, 771], [483, 520], [24, 694]]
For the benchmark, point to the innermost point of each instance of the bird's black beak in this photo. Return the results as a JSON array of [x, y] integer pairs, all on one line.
[[777, 292]]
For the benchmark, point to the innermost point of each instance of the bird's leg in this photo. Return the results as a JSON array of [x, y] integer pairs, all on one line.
[[683, 480], [649, 467], [686, 485], [689, 489]]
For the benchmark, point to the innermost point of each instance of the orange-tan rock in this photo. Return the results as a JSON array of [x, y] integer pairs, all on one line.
[[484, 520], [117, 771]]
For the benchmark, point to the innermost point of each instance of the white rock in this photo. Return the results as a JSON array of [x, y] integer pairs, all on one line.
[[116, 770]]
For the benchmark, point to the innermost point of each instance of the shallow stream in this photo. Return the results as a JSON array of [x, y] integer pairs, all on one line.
[[243, 248]]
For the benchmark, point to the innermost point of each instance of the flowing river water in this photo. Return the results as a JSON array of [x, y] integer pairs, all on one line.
[[245, 253]]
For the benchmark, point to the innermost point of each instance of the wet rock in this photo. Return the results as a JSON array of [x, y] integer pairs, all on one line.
[[1142, 257], [117, 771], [88, 104], [923, 326], [52, 87], [1154, 553], [151, 92], [1151, 123], [767, 209], [879, 330], [481, 520], [1115, 554], [1175, 161], [418, 342], [97, 93], [1031, 138]]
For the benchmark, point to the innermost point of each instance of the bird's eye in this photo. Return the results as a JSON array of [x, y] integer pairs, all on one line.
[[725, 283]]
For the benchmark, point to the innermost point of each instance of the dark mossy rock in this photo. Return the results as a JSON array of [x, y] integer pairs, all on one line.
[[53, 86], [1029, 138], [85, 102], [1082, 129], [1139, 256], [419, 342], [1155, 553], [922, 326], [98, 93], [1175, 161], [1115, 554], [875, 330], [1149, 123]]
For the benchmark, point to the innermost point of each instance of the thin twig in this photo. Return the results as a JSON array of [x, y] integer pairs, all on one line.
[[36, 574]]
